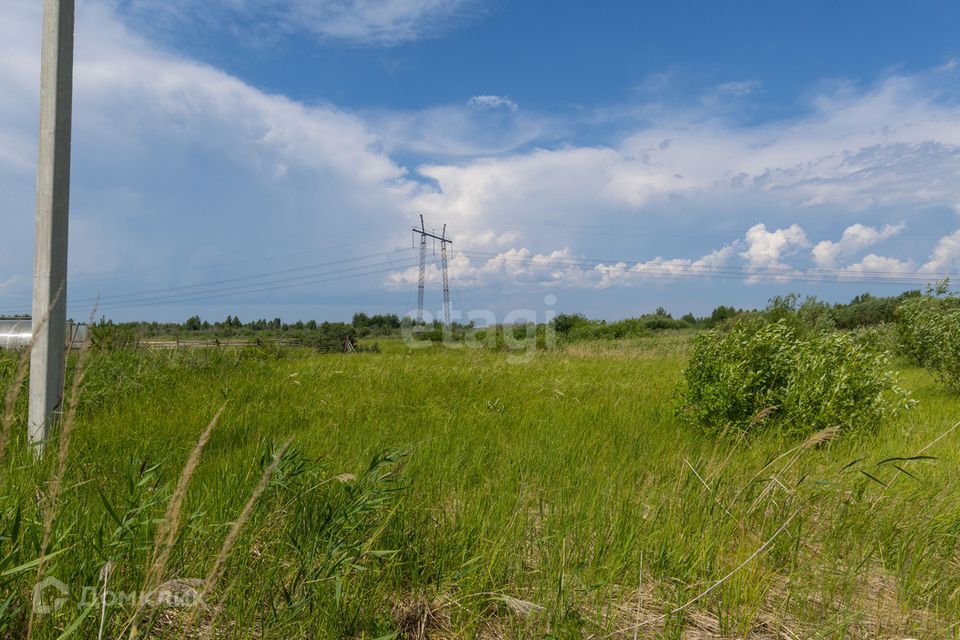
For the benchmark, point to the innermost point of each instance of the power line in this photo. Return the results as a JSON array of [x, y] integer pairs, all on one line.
[[262, 289], [201, 285], [735, 272], [113, 300], [258, 287]]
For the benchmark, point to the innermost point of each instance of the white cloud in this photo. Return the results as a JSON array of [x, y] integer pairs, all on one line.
[[174, 160], [659, 267], [767, 249], [739, 88], [485, 239], [876, 266], [894, 145], [855, 239], [164, 144], [368, 22], [514, 267], [760, 256], [458, 132], [945, 257], [949, 65], [492, 102]]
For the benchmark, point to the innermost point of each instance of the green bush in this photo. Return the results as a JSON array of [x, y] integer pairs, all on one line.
[[879, 337], [107, 336], [866, 310], [928, 330], [603, 330], [330, 337], [799, 383]]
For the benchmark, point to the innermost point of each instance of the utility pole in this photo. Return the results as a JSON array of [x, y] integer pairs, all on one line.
[[53, 205], [444, 241]]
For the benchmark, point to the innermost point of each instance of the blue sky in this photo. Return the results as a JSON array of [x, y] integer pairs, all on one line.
[[615, 155]]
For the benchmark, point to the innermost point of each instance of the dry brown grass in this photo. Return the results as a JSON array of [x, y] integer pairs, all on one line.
[[168, 529], [216, 572]]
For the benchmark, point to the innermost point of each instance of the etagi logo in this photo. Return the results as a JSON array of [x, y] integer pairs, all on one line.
[[49, 595], [518, 330]]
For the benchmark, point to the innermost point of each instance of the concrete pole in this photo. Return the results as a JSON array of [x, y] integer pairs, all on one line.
[[53, 201]]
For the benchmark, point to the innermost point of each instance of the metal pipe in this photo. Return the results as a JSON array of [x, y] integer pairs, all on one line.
[[15, 334]]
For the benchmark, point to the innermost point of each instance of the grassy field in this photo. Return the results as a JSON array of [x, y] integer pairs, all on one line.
[[451, 493]]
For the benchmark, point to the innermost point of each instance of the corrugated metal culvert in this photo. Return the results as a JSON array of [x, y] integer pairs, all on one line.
[[15, 334]]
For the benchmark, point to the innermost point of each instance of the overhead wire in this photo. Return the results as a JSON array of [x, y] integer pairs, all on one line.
[[200, 285], [732, 271], [194, 297], [253, 282], [265, 281]]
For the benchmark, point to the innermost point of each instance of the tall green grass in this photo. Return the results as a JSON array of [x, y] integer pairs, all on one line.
[[456, 493]]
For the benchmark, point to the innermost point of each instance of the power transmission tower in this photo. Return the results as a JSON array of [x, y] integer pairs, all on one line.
[[53, 202], [444, 241], [423, 266], [446, 279]]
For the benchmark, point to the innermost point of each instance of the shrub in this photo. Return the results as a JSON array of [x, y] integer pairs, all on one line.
[[928, 330], [808, 314], [563, 323], [866, 310], [603, 330], [107, 336], [800, 383], [721, 315], [330, 337]]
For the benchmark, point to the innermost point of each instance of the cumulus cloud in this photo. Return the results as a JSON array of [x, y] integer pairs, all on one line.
[[659, 267], [892, 145], [945, 257], [767, 249], [485, 239], [855, 239], [759, 256], [517, 267], [163, 144], [876, 266]]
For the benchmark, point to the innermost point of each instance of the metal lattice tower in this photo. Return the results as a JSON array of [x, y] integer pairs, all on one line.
[[444, 241], [446, 279], [423, 266]]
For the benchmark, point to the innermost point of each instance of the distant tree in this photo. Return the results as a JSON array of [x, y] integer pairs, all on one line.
[[662, 313], [360, 320], [385, 321], [193, 323], [312, 325], [720, 314], [564, 322]]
